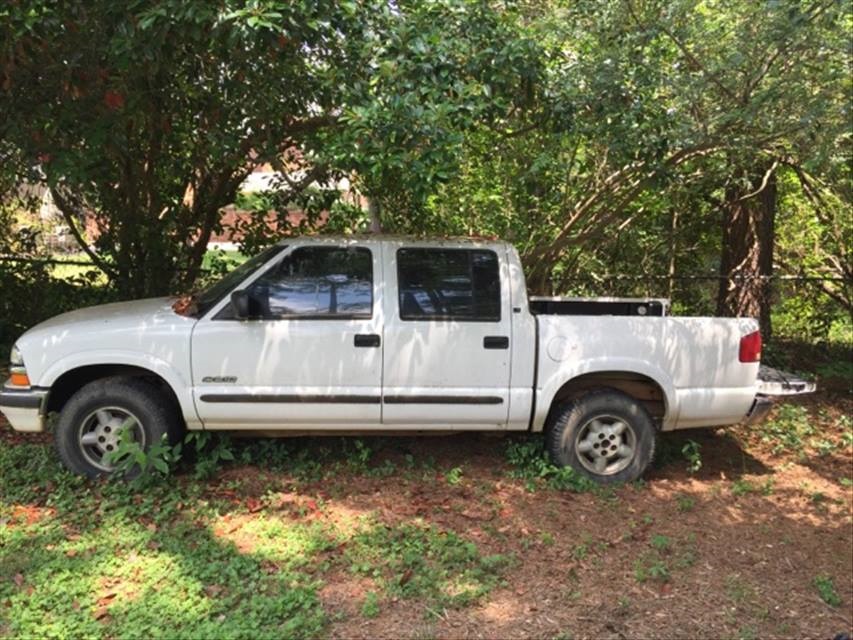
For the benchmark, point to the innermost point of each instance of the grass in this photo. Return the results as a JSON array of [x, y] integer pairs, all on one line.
[[414, 560], [739, 590], [793, 429], [101, 559], [243, 539], [214, 261], [112, 560]]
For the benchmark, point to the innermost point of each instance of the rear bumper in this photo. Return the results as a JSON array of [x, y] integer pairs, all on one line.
[[760, 408], [23, 408], [775, 385]]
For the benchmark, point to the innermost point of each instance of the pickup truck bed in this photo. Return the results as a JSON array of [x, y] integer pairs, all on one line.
[[598, 306]]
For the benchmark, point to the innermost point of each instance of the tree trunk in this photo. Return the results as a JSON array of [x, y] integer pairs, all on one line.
[[746, 264], [673, 234], [375, 215]]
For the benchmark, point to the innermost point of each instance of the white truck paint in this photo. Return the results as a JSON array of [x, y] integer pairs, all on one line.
[[303, 372]]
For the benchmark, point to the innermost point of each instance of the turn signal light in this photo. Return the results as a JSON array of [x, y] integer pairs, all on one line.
[[19, 379], [750, 347]]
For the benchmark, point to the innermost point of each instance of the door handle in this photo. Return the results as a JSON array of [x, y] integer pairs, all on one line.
[[496, 342], [366, 340]]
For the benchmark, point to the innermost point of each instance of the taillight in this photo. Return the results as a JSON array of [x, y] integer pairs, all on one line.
[[750, 347]]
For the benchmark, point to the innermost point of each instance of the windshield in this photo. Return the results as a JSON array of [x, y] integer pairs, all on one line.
[[207, 298]]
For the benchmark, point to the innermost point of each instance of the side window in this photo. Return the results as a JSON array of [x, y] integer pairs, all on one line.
[[318, 282], [448, 284]]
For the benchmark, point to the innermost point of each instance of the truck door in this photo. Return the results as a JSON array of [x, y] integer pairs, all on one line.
[[313, 356], [447, 337]]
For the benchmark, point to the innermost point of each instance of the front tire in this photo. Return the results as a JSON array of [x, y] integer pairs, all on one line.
[[91, 422], [606, 435]]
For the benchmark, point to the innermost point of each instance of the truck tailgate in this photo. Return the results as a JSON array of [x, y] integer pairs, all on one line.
[[772, 382]]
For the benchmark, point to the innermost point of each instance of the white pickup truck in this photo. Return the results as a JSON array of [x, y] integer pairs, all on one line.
[[376, 334]]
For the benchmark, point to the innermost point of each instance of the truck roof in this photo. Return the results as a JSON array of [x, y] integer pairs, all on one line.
[[391, 237]]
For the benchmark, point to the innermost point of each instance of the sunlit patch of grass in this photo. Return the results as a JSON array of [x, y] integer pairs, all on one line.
[[108, 559], [123, 578], [105, 560], [288, 544]]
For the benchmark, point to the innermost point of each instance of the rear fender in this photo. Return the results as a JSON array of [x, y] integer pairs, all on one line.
[[567, 372]]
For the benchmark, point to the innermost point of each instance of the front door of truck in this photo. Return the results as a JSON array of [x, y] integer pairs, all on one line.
[[312, 356]]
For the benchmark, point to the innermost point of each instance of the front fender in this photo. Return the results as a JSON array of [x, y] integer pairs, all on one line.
[[174, 377]]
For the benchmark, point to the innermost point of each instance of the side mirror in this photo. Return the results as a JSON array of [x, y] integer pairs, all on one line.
[[241, 301]]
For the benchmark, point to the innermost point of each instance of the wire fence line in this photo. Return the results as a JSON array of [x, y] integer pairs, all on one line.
[[654, 276], [76, 263]]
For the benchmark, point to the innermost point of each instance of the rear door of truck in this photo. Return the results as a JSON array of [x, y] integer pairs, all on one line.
[[447, 336]]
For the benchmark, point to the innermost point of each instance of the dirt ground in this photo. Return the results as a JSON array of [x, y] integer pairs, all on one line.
[[732, 550]]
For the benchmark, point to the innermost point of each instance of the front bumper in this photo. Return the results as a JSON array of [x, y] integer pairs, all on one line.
[[23, 408]]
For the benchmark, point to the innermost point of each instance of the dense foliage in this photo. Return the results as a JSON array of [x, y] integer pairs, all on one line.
[[696, 149]]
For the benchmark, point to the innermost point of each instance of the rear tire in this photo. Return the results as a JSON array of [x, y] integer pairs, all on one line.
[[606, 435], [91, 420]]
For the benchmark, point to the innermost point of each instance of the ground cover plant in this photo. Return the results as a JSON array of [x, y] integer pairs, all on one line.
[[459, 536]]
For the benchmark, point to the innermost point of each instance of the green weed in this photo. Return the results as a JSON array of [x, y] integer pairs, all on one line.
[[650, 567], [691, 453], [530, 462], [738, 590], [370, 606], [826, 590], [453, 476], [547, 538], [660, 542], [789, 429], [685, 503], [106, 560], [742, 487]]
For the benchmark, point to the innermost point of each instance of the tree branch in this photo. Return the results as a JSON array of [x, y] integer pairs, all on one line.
[[684, 50], [65, 208]]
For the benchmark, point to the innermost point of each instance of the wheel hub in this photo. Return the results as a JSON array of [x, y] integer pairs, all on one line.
[[102, 431], [605, 445]]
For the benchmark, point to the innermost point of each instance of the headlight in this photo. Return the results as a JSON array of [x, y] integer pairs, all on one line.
[[18, 377], [15, 357]]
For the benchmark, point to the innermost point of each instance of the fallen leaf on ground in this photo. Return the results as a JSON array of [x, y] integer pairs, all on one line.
[[106, 599]]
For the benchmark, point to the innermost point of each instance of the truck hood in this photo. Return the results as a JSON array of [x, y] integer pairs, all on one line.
[[122, 330], [134, 313]]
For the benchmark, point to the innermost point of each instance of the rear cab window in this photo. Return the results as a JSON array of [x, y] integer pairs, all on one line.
[[448, 284]]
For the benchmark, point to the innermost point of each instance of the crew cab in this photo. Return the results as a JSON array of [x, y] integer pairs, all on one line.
[[386, 334]]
